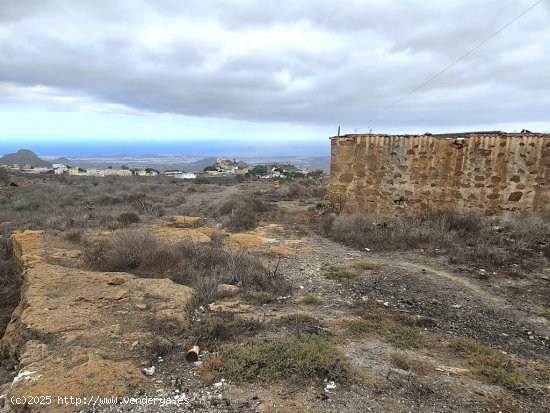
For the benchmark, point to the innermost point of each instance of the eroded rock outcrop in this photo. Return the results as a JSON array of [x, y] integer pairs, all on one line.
[[80, 333]]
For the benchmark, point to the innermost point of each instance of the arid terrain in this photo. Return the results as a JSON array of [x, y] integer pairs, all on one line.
[[295, 305]]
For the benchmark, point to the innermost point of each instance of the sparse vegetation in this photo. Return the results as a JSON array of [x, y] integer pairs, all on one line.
[[127, 218], [310, 299], [201, 265], [302, 190], [300, 323], [301, 357], [167, 336], [398, 335], [7, 267], [74, 236], [222, 327], [464, 237], [405, 362], [340, 273], [491, 364], [63, 203], [332, 203], [404, 337], [4, 177], [10, 282], [347, 273], [350, 300], [368, 266], [201, 180], [242, 214], [359, 327]]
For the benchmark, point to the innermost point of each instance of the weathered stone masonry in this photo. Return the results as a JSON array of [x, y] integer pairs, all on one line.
[[487, 171]]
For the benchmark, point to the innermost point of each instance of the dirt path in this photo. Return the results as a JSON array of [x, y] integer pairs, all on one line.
[[416, 283], [429, 270], [543, 322]]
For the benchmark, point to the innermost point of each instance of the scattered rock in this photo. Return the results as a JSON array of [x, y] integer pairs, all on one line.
[[228, 289], [116, 280], [184, 221]]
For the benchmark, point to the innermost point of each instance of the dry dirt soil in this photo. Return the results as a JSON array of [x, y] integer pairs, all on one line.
[[418, 334]]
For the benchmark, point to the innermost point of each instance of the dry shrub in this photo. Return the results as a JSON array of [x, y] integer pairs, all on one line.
[[149, 208], [6, 246], [318, 191], [206, 287], [63, 203], [166, 336], [466, 237], [7, 265], [199, 265], [201, 180], [130, 249], [253, 203], [10, 281], [407, 231], [4, 177], [74, 236], [242, 218], [220, 327], [302, 190], [241, 213], [295, 191], [310, 299], [128, 218]]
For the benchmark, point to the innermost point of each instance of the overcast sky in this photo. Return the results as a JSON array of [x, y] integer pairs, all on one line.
[[274, 72]]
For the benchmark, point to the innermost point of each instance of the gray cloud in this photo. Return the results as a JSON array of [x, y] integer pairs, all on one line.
[[321, 62]]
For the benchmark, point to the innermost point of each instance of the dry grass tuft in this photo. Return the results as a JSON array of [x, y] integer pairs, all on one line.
[[310, 299]]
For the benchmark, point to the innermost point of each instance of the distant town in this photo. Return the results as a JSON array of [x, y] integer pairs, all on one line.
[[222, 167]]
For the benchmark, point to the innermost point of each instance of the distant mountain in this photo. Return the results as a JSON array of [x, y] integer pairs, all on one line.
[[23, 157], [198, 166], [62, 160]]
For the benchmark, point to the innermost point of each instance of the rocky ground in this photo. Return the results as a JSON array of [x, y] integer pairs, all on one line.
[[418, 334]]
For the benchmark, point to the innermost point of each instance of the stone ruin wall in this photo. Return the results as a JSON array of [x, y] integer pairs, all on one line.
[[482, 171]]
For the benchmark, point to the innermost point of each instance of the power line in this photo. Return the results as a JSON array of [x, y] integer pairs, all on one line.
[[402, 98]]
